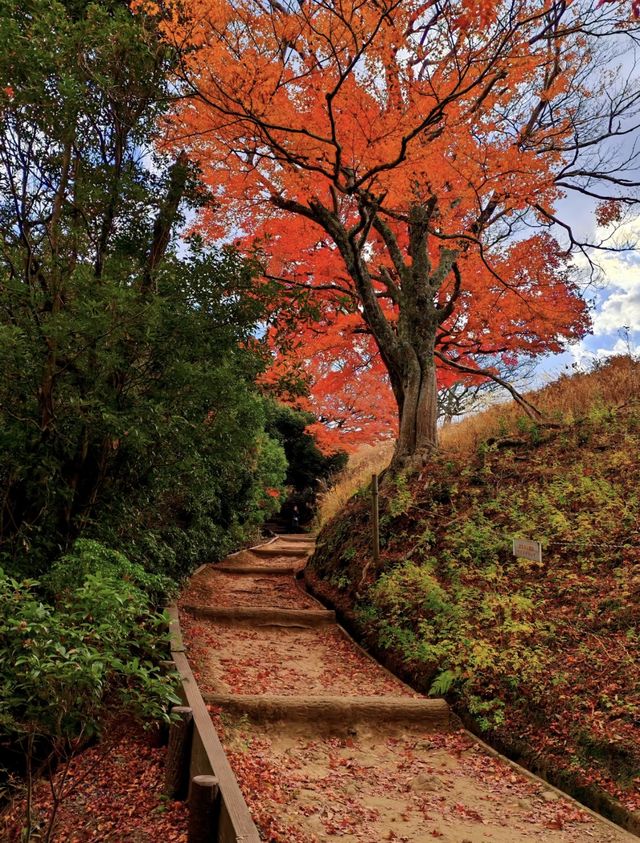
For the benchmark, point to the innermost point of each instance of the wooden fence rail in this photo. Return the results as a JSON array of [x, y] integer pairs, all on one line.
[[220, 806]]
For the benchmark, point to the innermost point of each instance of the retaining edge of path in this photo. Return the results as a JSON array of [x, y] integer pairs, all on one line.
[[335, 710], [264, 616], [207, 753]]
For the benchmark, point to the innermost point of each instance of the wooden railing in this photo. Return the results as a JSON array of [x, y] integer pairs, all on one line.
[[197, 766]]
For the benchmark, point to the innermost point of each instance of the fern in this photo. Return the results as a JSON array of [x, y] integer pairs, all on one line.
[[442, 683]]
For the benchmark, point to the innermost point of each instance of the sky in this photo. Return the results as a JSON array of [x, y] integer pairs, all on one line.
[[615, 301]]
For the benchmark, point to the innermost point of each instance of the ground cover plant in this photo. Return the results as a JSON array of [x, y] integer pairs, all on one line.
[[543, 657], [78, 651]]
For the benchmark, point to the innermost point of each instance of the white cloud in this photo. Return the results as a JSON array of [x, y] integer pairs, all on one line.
[[583, 356], [619, 311], [617, 305]]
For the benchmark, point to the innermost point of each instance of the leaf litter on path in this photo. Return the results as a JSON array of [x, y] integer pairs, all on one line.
[[307, 784]]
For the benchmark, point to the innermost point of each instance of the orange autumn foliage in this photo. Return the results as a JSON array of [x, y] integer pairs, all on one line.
[[379, 158]]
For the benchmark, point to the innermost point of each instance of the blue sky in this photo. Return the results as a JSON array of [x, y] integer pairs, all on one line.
[[615, 299]]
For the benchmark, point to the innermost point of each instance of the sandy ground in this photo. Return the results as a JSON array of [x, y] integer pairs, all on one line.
[[305, 783], [277, 660], [388, 784], [216, 588]]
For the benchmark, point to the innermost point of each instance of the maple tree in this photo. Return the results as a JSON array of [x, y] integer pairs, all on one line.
[[402, 162]]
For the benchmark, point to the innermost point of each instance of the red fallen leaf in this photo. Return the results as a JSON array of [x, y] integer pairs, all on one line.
[[556, 824], [436, 833]]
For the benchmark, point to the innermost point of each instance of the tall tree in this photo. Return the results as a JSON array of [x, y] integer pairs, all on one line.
[[391, 157], [125, 364]]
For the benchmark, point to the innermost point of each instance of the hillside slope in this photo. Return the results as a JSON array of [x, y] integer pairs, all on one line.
[[542, 658]]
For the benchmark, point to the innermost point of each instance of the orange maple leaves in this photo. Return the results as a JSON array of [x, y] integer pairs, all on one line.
[[312, 115]]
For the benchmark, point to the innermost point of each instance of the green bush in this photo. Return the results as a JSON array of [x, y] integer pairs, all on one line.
[[90, 558], [68, 671], [129, 411]]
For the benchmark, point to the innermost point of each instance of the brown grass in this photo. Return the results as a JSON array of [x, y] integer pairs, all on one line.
[[363, 462], [612, 383]]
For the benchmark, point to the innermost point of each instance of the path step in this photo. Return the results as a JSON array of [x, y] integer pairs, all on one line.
[[273, 550], [264, 616], [248, 568], [337, 711], [302, 538]]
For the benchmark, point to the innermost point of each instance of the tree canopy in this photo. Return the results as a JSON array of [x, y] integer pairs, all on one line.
[[128, 408], [402, 163]]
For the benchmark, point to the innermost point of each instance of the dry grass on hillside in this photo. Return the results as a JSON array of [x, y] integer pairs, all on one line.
[[613, 383], [610, 384], [365, 461]]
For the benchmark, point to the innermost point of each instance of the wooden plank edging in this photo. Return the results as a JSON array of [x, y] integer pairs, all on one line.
[[207, 753], [337, 710], [263, 616]]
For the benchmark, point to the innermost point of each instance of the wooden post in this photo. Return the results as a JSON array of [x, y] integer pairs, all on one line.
[[204, 810], [159, 734], [375, 522], [176, 774]]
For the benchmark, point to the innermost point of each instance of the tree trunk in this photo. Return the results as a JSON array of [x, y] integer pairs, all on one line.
[[418, 409]]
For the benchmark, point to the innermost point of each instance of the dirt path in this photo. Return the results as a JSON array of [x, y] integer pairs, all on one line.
[[361, 778]]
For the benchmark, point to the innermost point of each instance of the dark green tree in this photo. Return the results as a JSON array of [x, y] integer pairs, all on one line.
[[127, 405], [308, 468]]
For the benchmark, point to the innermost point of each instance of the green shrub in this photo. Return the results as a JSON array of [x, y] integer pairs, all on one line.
[[90, 558], [65, 671]]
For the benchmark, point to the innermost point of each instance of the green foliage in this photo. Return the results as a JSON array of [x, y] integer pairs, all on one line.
[[462, 613], [366, 614], [401, 500], [340, 581], [530, 428], [306, 463], [308, 469], [128, 411], [89, 558], [443, 683], [62, 668], [66, 671]]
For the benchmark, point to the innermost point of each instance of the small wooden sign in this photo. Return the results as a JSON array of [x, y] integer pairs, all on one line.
[[527, 549]]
